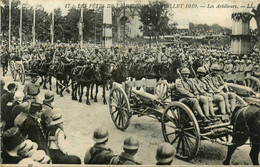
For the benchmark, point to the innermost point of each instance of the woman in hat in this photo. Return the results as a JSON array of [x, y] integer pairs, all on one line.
[[57, 142]]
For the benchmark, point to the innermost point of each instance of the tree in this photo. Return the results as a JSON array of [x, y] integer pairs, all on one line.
[[154, 15]]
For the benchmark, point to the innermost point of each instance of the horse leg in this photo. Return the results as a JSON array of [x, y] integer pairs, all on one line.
[[254, 150], [104, 94], [57, 87], [87, 94], [62, 87], [238, 140], [44, 82], [72, 91], [76, 89], [50, 83], [91, 92], [81, 87], [95, 100]]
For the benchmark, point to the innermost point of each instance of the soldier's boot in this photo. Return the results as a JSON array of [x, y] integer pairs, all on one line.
[[198, 109]]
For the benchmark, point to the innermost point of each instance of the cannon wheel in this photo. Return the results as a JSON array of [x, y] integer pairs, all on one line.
[[180, 128], [253, 83], [162, 90], [21, 73], [119, 108], [12, 69]]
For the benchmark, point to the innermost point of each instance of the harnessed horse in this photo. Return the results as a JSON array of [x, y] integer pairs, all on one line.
[[246, 124]]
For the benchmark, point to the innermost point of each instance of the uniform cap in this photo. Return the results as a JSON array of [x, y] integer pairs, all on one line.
[[49, 95], [165, 153], [185, 71], [201, 70], [131, 143], [100, 135]]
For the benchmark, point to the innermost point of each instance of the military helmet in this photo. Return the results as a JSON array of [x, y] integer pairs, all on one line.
[[131, 143], [215, 67], [242, 61], [249, 61], [100, 135], [185, 71], [236, 61], [201, 70], [165, 153]]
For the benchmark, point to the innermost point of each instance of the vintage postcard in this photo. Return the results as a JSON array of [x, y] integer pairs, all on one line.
[[130, 82]]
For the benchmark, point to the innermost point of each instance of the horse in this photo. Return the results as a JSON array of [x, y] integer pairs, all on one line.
[[74, 79], [88, 75], [105, 73], [61, 72], [41, 67], [246, 124]]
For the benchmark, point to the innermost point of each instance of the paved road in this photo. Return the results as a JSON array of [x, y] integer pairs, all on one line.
[[81, 121]]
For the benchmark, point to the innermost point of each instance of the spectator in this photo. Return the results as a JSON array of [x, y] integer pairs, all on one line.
[[99, 153], [131, 145], [24, 113], [13, 140], [57, 143], [165, 153], [33, 128], [3, 91], [47, 110]]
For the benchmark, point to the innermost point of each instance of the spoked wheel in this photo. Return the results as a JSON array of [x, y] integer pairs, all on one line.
[[119, 108], [162, 90], [12, 69], [253, 83], [21, 73], [180, 128]]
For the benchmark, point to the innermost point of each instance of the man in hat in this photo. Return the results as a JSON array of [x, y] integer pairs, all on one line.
[[165, 154], [23, 115], [32, 128], [32, 89], [218, 86], [188, 93], [47, 109], [7, 100], [13, 140], [131, 145], [57, 142], [99, 153], [14, 110]]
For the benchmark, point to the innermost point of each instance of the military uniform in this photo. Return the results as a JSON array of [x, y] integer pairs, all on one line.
[[32, 90], [124, 159], [98, 154]]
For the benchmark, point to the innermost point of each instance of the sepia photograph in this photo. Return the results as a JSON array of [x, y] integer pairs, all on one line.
[[129, 82]]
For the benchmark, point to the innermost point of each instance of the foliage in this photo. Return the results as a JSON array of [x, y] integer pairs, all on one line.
[[154, 18]]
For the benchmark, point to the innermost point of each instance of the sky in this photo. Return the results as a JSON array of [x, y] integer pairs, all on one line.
[[195, 11]]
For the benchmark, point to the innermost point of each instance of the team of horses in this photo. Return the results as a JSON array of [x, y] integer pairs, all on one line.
[[79, 75]]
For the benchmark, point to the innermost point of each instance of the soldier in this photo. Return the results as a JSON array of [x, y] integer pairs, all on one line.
[[32, 89], [131, 145], [96, 56], [219, 87], [236, 69], [4, 60], [249, 68], [163, 56], [187, 91], [206, 90], [165, 154], [99, 153], [256, 71]]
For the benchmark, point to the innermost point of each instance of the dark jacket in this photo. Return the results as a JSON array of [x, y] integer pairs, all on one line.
[[8, 159], [124, 159], [98, 154], [34, 130]]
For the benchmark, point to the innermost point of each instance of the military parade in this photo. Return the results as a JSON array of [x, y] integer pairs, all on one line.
[[154, 102]]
